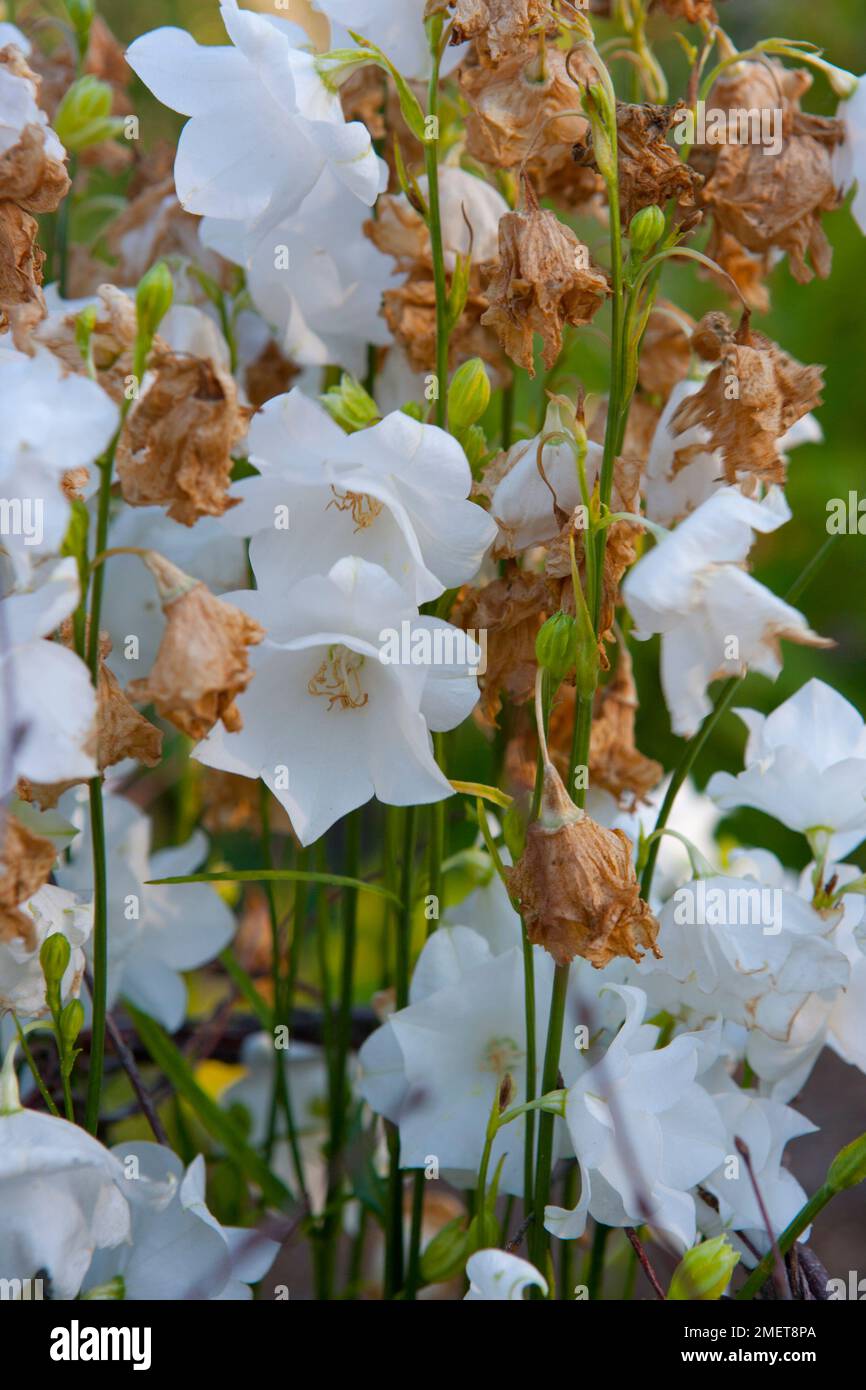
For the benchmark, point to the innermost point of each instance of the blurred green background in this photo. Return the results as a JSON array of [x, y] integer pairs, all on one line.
[[822, 322]]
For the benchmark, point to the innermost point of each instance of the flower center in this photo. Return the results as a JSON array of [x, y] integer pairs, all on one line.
[[339, 678], [501, 1055], [364, 509]]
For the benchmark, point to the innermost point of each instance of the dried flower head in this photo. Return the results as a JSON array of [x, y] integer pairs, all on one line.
[[500, 28], [511, 610], [665, 349], [750, 400], [692, 11], [176, 446], [650, 169], [112, 341], [121, 732], [202, 662], [26, 861], [577, 887], [543, 281], [768, 193]]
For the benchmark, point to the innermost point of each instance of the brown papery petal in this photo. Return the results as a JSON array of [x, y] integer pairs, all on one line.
[[26, 861]]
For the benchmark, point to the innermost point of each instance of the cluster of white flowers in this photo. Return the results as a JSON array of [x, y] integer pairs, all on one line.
[[322, 538]]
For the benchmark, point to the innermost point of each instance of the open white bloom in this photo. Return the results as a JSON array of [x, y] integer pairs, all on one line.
[[315, 278], [131, 606], [263, 125], [52, 423], [156, 931], [47, 702], [748, 951], [436, 1066], [22, 983], [766, 1127], [849, 157], [329, 721], [177, 1249], [644, 1132], [60, 1201], [805, 764], [715, 620], [525, 503], [395, 26], [680, 475], [395, 495], [470, 212], [497, 1277]]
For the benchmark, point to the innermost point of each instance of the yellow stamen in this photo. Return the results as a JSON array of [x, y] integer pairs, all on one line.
[[364, 509], [339, 678]]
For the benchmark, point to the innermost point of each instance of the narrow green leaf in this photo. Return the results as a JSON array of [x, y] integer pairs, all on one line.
[[290, 875], [175, 1067]]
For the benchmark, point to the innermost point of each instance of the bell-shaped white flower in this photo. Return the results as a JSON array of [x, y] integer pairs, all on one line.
[[497, 1277], [849, 157], [60, 1201], [156, 931], [263, 125], [542, 483], [395, 26], [395, 495], [805, 764], [644, 1132], [52, 422], [714, 619], [330, 719], [49, 912], [177, 1249], [46, 697], [315, 278]]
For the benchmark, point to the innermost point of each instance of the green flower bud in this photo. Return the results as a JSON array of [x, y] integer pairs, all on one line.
[[704, 1272], [71, 1021], [81, 17], [446, 1254], [645, 229], [350, 405], [153, 300], [849, 1166], [556, 645], [468, 395], [474, 444], [54, 958], [84, 116]]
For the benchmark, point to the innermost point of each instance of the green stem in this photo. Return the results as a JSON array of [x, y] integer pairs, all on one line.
[[99, 1001], [31, 1062], [431, 164], [805, 1216], [549, 1077], [596, 1261]]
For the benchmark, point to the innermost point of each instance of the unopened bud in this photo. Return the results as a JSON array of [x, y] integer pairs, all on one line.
[[71, 1021], [849, 1166], [350, 405], [81, 17], [645, 229], [153, 299], [54, 958], [556, 645], [704, 1272], [84, 117], [468, 395]]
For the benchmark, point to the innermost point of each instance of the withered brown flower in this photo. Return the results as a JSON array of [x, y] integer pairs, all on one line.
[[26, 861], [750, 400], [650, 170], [692, 11], [577, 887], [542, 281], [665, 350], [500, 28], [112, 341], [121, 732], [769, 193], [511, 610], [176, 445], [202, 662]]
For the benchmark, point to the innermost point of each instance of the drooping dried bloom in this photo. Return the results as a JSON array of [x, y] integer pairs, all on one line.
[[615, 762], [500, 28], [749, 401], [692, 11], [410, 313], [511, 610], [513, 122], [650, 169], [26, 861], [176, 446], [202, 662], [112, 341], [576, 885], [121, 732], [543, 281], [771, 177]]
